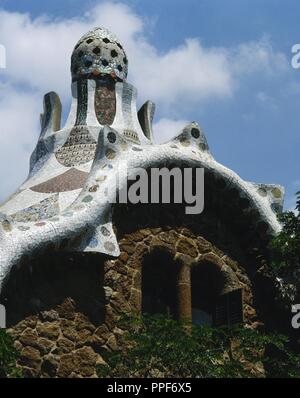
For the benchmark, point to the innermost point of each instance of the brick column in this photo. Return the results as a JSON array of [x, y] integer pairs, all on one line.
[[184, 292]]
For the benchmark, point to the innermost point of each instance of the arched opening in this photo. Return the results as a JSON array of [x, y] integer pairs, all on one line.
[[159, 284], [212, 303]]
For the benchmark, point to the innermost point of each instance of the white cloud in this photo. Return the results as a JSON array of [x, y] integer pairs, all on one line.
[[19, 128], [39, 50], [166, 129], [187, 72], [38, 59], [256, 56]]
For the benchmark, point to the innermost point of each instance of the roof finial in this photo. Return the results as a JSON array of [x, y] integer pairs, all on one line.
[[97, 53]]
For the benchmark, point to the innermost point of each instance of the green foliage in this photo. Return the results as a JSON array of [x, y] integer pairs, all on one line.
[[156, 346], [286, 245], [8, 356]]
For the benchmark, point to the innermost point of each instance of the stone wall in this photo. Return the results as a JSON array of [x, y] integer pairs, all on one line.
[[76, 300]]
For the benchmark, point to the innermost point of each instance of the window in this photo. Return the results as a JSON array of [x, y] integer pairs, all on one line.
[[172, 288], [209, 305], [159, 284], [229, 308]]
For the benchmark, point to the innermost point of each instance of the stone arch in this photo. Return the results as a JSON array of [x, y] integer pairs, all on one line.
[[230, 280], [233, 229], [185, 246]]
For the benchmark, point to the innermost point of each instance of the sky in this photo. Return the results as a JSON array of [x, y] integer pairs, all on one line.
[[226, 65]]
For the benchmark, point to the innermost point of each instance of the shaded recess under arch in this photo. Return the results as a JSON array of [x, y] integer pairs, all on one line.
[[159, 283], [47, 281], [228, 219]]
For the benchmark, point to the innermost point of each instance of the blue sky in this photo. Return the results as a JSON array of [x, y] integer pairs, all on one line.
[[224, 64]]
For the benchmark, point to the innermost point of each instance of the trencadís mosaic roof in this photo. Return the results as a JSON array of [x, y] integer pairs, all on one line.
[[61, 205]]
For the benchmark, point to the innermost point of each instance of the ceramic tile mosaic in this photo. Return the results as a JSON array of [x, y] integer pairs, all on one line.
[[78, 149], [74, 167], [105, 102], [99, 52], [68, 181], [45, 209]]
